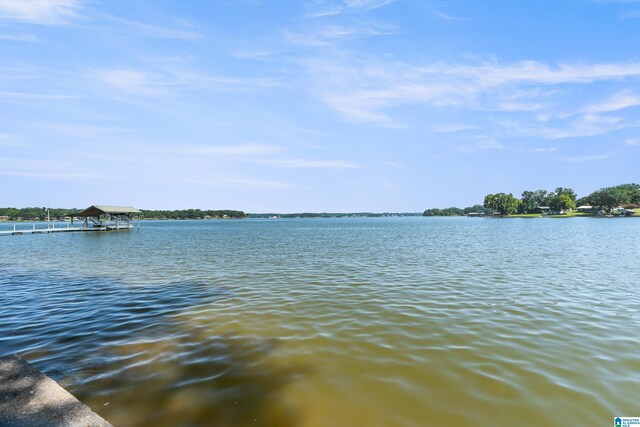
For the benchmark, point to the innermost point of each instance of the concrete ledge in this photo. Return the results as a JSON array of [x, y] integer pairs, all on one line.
[[30, 398]]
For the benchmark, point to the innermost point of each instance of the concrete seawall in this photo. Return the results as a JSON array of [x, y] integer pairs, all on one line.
[[30, 398]]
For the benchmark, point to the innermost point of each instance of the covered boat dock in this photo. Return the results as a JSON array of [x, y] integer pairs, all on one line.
[[109, 218]]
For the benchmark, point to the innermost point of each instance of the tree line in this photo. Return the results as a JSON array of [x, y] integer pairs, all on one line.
[[191, 214], [35, 214], [453, 211], [331, 215], [560, 199]]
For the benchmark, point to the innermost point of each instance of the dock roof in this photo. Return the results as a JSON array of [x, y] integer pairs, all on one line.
[[95, 210]]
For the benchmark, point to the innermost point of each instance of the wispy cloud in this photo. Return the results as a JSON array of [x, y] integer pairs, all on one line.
[[44, 12], [480, 143], [36, 168], [130, 80], [545, 150], [20, 37], [329, 35], [240, 183], [10, 141], [617, 101], [263, 154], [331, 8], [448, 17], [454, 127], [367, 5], [233, 150], [168, 80], [394, 165], [150, 30], [362, 89], [586, 125], [580, 159], [28, 97], [520, 106], [632, 142], [307, 164]]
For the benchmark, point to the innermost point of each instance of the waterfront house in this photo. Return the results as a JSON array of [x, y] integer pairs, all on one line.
[[4, 218], [541, 209], [587, 209]]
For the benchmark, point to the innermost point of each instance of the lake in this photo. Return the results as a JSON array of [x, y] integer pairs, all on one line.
[[334, 322]]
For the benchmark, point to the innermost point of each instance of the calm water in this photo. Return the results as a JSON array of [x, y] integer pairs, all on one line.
[[334, 322]]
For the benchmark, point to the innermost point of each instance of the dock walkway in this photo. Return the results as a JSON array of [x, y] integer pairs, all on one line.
[[30, 398], [17, 230]]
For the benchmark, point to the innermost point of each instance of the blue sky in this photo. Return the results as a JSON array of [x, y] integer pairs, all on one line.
[[318, 105]]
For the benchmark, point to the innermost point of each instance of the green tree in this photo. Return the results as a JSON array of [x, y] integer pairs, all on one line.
[[504, 204], [607, 198], [562, 202], [529, 201]]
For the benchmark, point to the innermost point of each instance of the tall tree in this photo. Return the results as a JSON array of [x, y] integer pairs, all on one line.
[[529, 201], [504, 204], [562, 202]]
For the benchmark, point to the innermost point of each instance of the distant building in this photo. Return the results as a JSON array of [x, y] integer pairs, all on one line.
[[4, 218], [541, 209], [587, 209]]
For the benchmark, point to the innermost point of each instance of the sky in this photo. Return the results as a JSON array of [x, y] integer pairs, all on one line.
[[314, 105]]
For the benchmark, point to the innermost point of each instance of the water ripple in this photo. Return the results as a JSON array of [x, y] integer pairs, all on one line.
[[392, 322]]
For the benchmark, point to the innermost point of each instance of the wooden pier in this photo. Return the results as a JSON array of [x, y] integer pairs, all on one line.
[[95, 218], [19, 230]]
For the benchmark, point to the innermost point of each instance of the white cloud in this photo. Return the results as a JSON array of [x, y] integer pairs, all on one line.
[[35, 168], [486, 143], [45, 12], [128, 79], [545, 150], [169, 79], [242, 183], [617, 101], [20, 37], [515, 106], [301, 39], [632, 142], [394, 165], [367, 4], [233, 150], [367, 89], [586, 125], [453, 127], [323, 9], [580, 159], [307, 164], [25, 97], [157, 31], [447, 17]]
